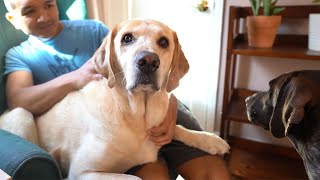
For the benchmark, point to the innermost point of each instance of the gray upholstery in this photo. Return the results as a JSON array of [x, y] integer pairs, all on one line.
[[9, 37]]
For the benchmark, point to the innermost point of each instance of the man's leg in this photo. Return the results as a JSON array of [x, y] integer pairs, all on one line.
[[205, 167], [154, 171]]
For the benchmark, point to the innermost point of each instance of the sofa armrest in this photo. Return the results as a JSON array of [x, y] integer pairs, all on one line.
[[22, 159]]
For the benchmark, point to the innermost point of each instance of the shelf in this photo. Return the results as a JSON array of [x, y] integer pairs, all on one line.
[[285, 46], [237, 106], [254, 160], [301, 11]]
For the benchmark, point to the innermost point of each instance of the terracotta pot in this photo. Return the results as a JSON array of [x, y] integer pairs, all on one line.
[[262, 30]]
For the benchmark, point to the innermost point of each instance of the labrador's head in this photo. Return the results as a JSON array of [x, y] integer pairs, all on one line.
[[282, 106], [141, 55]]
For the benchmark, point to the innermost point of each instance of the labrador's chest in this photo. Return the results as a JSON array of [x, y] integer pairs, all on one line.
[[120, 128], [119, 148]]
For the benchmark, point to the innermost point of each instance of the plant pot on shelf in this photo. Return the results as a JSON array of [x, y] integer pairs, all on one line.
[[262, 30], [314, 33]]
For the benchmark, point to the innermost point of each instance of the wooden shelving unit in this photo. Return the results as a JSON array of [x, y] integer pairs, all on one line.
[[290, 46], [285, 46]]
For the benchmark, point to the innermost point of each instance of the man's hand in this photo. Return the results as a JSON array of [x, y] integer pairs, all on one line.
[[163, 133], [85, 74]]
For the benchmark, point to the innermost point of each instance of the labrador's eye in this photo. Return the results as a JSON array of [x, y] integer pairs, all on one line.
[[163, 42], [127, 38]]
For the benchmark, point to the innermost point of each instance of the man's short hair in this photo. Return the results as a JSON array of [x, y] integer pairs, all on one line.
[[9, 5]]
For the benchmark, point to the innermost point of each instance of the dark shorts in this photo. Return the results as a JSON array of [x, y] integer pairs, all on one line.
[[177, 153]]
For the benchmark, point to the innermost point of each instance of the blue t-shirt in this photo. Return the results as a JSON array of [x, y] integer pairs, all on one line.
[[47, 59]]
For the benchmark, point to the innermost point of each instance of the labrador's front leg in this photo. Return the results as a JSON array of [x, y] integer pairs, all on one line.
[[205, 141]]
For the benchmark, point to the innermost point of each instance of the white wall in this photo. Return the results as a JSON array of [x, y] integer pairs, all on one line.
[[200, 37], [256, 72]]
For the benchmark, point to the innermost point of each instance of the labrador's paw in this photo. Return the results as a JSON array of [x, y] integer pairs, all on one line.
[[216, 145]]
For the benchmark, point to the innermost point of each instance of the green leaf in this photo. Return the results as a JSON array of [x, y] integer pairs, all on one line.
[[277, 10], [267, 7], [273, 4], [255, 5]]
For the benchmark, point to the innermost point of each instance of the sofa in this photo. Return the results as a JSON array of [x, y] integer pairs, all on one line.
[[21, 159]]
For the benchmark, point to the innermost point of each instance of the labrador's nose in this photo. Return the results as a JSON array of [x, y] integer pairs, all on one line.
[[147, 62]]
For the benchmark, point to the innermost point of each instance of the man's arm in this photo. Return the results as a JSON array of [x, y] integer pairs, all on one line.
[[164, 132], [21, 92]]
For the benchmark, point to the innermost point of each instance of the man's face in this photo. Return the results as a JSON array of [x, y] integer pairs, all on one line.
[[36, 17]]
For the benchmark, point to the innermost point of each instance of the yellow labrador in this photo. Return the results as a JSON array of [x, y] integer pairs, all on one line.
[[100, 131]]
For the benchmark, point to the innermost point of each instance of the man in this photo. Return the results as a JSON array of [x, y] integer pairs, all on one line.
[[55, 60]]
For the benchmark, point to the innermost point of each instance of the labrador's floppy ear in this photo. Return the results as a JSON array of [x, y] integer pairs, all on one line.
[[179, 66], [299, 95], [278, 86], [290, 105], [105, 58]]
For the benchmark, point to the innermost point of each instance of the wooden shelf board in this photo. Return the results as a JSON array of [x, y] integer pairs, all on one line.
[[285, 46], [237, 107], [301, 11], [246, 162]]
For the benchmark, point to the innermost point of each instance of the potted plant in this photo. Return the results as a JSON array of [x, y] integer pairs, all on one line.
[[262, 29], [314, 34]]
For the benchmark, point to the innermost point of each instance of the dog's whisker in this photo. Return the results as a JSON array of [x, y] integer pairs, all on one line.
[[121, 72], [123, 82]]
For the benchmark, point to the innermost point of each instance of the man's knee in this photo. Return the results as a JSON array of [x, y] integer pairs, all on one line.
[[205, 167], [153, 171]]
